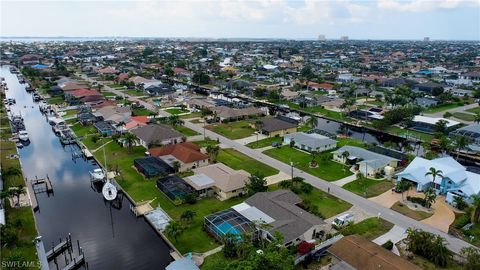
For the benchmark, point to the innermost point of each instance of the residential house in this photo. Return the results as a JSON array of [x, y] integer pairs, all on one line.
[[472, 132], [430, 88], [310, 141], [187, 154], [233, 114], [429, 124], [366, 162], [280, 211], [115, 114], [136, 121], [274, 127], [357, 252], [154, 134], [105, 128], [425, 102], [470, 77], [159, 90], [311, 100], [80, 96], [199, 103], [455, 180], [218, 180]]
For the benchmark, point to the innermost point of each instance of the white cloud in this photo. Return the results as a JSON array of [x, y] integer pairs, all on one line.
[[423, 5]]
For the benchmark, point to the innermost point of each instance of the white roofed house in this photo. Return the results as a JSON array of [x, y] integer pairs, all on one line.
[[366, 162], [428, 124], [455, 180], [310, 141]]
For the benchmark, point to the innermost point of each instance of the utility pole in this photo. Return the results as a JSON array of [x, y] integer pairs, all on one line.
[[291, 165]]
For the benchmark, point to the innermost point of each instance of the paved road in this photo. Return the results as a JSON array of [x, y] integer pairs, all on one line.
[[454, 110], [375, 209]]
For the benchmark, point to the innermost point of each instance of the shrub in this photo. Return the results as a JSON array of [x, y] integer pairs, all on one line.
[[418, 200], [388, 245], [447, 115], [305, 247], [190, 198], [306, 188]]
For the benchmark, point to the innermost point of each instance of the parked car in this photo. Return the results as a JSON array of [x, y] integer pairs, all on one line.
[[276, 144], [342, 220]]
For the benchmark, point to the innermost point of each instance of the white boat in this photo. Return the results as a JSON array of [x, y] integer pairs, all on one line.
[[97, 174], [109, 191], [23, 135]]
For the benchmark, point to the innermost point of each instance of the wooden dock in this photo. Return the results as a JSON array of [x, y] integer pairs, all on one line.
[[37, 184], [33, 198], [58, 249], [75, 263]]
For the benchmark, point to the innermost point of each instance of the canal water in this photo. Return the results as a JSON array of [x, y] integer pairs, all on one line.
[[111, 238]]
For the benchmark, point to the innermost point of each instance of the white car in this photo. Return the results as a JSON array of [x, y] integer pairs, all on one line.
[[343, 220], [23, 135]]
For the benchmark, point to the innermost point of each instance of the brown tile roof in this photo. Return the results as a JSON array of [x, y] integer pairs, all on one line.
[[365, 255], [186, 152]]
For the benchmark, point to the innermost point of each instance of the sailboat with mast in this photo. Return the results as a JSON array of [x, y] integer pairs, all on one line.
[[109, 190]]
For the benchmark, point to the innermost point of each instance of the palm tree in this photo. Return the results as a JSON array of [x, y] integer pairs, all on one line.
[[476, 204], [188, 215], [461, 142], [173, 230], [175, 120], [17, 192], [11, 172], [434, 173], [312, 122], [404, 186], [212, 151], [430, 196], [130, 140], [477, 118], [176, 165], [296, 181], [313, 154], [345, 155]]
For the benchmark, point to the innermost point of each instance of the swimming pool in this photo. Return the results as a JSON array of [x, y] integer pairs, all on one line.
[[227, 228]]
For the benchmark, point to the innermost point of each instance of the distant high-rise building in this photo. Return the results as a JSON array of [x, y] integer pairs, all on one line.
[[322, 38], [426, 39], [344, 38]]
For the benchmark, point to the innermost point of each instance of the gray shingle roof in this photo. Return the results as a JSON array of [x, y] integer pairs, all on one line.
[[274, 124], [156, 133], [290, 220]]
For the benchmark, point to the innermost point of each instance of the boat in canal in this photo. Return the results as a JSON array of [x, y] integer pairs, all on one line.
[[23, 135], [97, 174], [110, 235]]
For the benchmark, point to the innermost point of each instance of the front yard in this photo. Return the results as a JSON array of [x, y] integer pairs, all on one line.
[[176, 111], [327, 169], [369, 187], [265, 142], [369, 228], [238, 161], [233, 130], [407, 133], [405, 210]]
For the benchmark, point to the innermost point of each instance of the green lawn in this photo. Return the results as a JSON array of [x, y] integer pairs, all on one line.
[[141, 111], [70, 113], [464, 116], [191, 115], [328, 205], [133, 92], [265, 142], [176, 111], [327, 169], [81, 131], [186, 131], [369, 228], [405, 210], [371, 187], [238, 161], [410, 133], [320, 110], [474, 110], [24, 250], [206, 142], [55, 100], [443, 107], [194, 237], [233, 130], [108, 94]]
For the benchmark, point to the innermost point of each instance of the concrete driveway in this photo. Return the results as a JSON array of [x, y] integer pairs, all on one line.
[[443, 215]]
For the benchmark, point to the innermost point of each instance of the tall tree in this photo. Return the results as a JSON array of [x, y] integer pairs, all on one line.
[[434, 173], [188, 215], [476, 205], [130, 140], [312, 122], [460, 143], [174, 230], [256, 183]]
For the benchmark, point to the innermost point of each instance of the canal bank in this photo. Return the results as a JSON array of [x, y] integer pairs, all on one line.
[[111, 238]]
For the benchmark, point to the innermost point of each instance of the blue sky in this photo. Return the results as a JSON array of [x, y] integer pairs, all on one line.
[[301, 19]]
